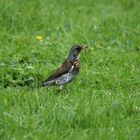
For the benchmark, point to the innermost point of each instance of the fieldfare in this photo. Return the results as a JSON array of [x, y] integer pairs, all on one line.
[[69, 69]]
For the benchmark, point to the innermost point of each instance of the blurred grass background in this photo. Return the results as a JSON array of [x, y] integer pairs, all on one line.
[[103, 102]]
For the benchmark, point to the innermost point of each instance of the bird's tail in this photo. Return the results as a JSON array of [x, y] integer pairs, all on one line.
[[47, 83]]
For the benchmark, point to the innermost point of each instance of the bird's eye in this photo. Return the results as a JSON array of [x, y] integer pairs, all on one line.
[[74, 55], [78, 48]]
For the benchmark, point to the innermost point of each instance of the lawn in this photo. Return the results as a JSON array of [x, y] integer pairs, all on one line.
[[103, 102]]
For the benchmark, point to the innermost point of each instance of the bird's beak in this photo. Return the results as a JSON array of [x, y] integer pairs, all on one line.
[[84, 46]]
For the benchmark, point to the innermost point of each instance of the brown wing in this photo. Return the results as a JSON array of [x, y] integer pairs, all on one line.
[[60, 71]]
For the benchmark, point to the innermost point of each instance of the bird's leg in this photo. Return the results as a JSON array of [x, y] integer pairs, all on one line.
[[61, 87]]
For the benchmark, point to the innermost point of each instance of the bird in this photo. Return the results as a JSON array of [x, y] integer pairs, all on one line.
[[68, 70]]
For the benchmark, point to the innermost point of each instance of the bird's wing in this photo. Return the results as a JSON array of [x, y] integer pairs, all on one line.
[[60, 71]]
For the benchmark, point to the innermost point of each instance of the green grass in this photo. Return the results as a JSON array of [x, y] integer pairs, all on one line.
[[103, 102]]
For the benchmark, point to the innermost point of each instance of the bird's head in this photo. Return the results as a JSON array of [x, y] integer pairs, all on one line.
[[75, 52]]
